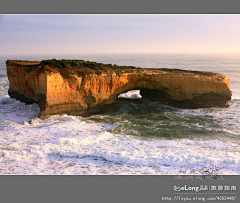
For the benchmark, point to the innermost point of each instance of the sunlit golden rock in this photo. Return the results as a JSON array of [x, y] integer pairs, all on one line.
[[77, 87]]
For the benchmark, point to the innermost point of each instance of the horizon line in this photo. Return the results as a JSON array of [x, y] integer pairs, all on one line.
[[120, 53]]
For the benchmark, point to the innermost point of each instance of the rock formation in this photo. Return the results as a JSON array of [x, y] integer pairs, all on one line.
[[77, 87]]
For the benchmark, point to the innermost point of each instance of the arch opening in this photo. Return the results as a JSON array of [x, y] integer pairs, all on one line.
[[153, 94]]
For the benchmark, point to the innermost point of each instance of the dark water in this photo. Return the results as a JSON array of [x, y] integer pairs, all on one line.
[[137, 135]]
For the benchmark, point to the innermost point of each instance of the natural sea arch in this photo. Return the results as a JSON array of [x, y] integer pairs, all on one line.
[[89, 88]]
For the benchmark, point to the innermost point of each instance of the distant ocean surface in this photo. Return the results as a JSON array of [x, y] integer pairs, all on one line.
[[137, 136]]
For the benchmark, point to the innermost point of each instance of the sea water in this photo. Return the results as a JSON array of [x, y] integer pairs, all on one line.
[[136, 136]]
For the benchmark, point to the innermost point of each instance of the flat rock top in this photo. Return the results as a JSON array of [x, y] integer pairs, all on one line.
[[22, 62], [81, 68]]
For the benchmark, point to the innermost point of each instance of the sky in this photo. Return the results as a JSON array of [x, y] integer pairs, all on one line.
[[108, 33]]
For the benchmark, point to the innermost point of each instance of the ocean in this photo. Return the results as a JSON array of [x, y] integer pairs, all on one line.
[[136, 137]]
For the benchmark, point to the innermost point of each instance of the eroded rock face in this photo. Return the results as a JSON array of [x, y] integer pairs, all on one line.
[[69, 89]]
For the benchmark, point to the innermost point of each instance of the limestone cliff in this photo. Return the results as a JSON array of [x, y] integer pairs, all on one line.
[[78, 87]]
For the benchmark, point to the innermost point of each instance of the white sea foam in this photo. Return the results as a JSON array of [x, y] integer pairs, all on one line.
[[235, 92], [236, 97], [16, 111], [133, 94], [75, 145]]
